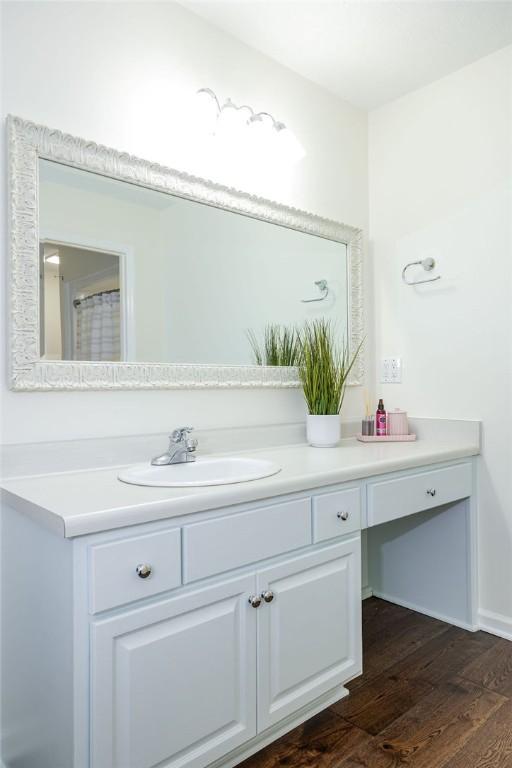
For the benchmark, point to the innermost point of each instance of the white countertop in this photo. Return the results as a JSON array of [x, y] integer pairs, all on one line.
[[91, 501]]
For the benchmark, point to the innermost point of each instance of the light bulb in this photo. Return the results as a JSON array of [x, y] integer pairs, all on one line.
[[232, 120], [232, 133], [262, 132], [206, 110], [288, 145]]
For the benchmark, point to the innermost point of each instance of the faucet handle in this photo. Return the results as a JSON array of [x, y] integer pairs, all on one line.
[[180, 434]]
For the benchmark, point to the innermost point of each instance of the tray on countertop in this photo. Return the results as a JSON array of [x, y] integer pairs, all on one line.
[[386, 438]]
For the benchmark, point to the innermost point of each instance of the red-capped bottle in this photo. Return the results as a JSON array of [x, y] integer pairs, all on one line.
[[381, 419]]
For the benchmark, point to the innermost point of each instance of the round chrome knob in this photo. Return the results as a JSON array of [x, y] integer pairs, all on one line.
[[144, 571], [431, 491], [343, 515], [268, 596], [255, 601]]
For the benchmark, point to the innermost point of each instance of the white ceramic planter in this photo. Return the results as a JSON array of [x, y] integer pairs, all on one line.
[[323, 431]]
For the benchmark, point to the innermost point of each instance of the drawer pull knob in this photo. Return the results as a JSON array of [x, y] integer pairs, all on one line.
[[268, 596], [343, 515], [431, 491], [144, 571], [255, 601]]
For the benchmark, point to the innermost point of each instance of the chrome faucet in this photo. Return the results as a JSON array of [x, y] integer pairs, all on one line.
[[181, 449]]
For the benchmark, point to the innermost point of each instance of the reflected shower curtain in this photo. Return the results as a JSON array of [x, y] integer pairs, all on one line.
[[98, 328]]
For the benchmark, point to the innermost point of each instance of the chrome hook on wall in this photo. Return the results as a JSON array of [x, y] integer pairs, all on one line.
[[323, 287], [428, 264]]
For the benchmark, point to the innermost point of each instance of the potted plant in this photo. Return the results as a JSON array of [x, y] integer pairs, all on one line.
[[280, 346], [324, 367]]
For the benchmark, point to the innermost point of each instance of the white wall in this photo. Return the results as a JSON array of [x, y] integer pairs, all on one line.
[[52, 324], [130, 70], [440, 165]]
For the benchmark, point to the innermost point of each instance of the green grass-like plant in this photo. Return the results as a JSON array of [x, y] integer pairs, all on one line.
[[281, 346], [324, 367]]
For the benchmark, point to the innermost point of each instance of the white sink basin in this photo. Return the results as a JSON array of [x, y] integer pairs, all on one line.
[[203, 471]]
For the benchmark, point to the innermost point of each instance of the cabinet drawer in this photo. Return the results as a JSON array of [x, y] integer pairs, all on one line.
[[391, 499], [239, 539], [113, 566], [335, 514]]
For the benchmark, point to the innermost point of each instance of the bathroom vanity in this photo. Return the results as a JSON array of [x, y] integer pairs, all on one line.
[[189, 627], [156, 627]]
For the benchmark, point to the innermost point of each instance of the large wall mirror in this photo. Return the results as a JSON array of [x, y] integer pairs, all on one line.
[[130, 275]]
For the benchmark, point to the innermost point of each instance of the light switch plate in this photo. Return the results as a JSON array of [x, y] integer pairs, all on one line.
[[391, 370]]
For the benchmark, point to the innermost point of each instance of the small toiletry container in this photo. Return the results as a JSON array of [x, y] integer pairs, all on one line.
[[368, 426], [397, 422]]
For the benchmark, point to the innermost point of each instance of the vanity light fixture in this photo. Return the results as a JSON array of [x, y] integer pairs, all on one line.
[[260, 128]]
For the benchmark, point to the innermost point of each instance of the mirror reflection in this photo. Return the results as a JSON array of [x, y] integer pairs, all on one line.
[[80, 303], [134, 274]]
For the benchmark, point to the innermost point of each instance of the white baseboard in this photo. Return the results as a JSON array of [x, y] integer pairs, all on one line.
[[421, 609], [496, 624]]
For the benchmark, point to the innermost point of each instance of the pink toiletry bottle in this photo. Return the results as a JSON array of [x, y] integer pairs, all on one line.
[[380, 420]]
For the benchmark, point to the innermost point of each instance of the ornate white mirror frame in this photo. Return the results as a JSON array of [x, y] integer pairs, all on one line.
[[28, 143]]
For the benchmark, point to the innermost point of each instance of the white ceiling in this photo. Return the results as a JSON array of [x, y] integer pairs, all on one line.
[[368, 52]]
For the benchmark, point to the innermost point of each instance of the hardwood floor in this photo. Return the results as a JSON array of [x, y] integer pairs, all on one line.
[[432, 696]]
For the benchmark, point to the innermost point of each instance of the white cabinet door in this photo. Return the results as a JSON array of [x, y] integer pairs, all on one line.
[[309, 635], [174, 683]]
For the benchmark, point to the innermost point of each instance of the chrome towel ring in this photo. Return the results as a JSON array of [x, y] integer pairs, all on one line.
[[428, 264], [323, 287]]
